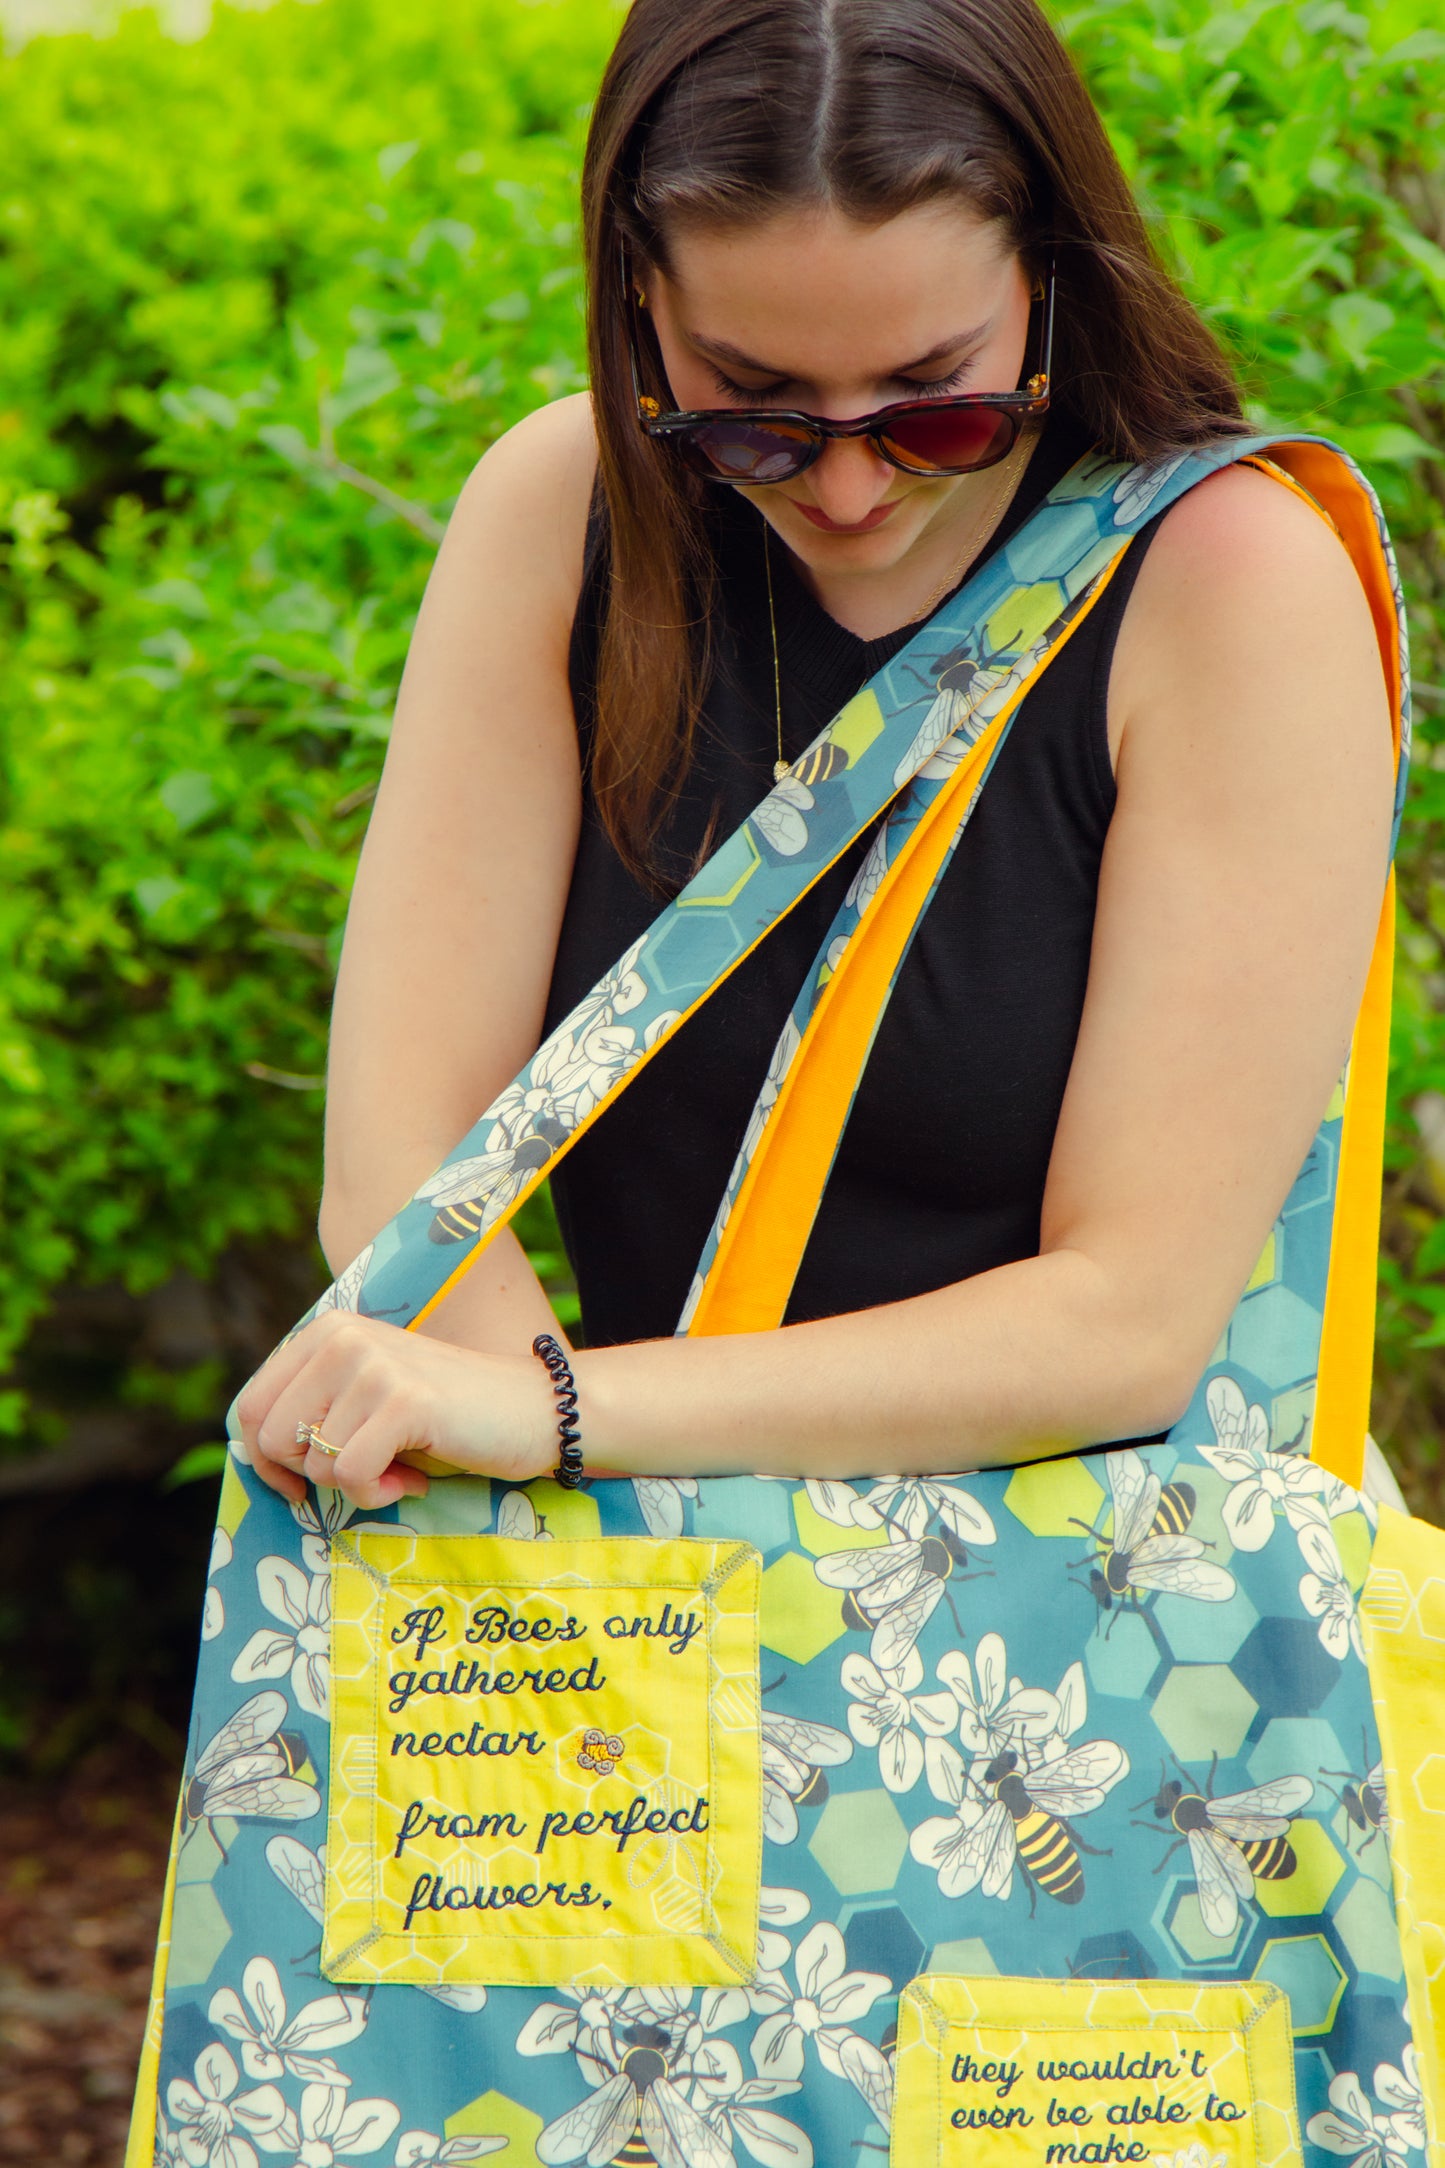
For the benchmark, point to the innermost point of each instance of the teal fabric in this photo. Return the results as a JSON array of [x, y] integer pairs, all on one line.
[[1099, 1628]]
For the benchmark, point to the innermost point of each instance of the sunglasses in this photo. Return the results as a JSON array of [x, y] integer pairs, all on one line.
[[958, 434]]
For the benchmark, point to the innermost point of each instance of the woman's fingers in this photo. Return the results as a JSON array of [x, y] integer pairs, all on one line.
[[369, 1422], [343, 1375], [367, 1470]]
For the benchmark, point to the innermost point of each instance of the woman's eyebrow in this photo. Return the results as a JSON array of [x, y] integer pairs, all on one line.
[[724, 350]]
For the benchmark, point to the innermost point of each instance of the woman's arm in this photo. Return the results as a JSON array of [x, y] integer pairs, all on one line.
[[1238, 901], [463, 875]]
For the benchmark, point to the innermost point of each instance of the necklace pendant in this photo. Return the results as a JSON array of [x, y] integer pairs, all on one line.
[[780, 769]]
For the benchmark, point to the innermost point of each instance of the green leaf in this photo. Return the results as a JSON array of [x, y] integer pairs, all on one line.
[[1357, 321], [197, 1464], [393, 156], [188, 796], [367, 375]]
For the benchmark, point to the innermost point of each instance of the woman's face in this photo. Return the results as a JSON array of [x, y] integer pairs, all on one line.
[[811, 310]]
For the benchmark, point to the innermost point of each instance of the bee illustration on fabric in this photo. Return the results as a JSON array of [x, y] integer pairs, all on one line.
[[517, 1516], [463, 1193], [895, 1588], [299, 1870], [600, 1752], [1028, 1822], [1150, 1550], [248, 1770], [956, 696], [780, 819], [796, 1751], [1233, 1842], [1364, 1801], [344, 1292], [638, 2117]]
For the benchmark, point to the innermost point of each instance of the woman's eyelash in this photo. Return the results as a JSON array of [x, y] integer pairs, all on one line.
[[934, 387]]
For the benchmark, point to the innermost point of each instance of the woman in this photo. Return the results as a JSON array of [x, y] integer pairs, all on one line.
[[869, 229], [1110, 1040]]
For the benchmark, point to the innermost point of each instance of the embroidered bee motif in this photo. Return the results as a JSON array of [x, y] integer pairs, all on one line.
[[600, 1752]]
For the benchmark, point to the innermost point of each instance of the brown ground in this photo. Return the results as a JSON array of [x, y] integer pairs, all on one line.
[[82, 1860]]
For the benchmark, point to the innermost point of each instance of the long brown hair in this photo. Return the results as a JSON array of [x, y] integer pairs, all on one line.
[[720, 112]]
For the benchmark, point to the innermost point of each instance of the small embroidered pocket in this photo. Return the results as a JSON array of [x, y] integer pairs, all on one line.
[[1010, 2073], [545, 1761]]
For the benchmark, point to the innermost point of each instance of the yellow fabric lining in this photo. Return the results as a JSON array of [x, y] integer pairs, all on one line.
[[1402, 1610], [141, 2144], [1347, 1339], [1347, 1342], [762, 1245]]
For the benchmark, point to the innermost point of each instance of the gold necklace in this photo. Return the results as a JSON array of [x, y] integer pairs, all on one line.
[[1009, 472]]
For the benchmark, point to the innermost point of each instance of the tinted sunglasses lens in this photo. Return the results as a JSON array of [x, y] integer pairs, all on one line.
[[744, 451], [957, 439]]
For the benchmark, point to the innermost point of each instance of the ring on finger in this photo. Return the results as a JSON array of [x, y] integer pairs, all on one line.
[[308, 1434]]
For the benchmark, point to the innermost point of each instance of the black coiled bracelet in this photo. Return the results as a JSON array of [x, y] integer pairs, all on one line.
[[564, 1385]]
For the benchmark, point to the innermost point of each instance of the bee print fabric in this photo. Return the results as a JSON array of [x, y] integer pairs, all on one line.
[[1102, 1718]]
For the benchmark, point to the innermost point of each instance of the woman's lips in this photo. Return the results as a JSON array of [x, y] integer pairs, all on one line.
[[875, 518]]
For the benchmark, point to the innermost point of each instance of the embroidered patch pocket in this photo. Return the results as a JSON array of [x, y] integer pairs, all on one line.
[[545, 1761], [1004, 2073]]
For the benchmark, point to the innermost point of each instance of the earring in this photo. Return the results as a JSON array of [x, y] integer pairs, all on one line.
[[640, 297]]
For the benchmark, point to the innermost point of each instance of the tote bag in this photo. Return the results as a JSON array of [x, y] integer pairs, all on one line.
[[1090, 1810]]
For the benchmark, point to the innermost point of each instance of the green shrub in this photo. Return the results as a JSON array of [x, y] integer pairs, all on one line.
[[263, 300]]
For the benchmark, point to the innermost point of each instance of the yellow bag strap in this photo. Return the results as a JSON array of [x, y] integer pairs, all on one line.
[[762, 1245], [1347, 1340]]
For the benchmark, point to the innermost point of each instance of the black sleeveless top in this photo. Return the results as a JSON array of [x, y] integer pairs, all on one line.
[[941, 1169]]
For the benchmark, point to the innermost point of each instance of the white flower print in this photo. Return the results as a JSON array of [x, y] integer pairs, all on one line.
[[1402, 2092], [778, 1908], [1260, 1481], [788, 1041], [300, 1643], [735, 2107], [883, 1708], [907, 1502], [168, 2153], [210, 2114], [557, 2028], [945, 1842], [1348, 2127], [272, 2045], [418, 2149], [995, 1711], [1327, 1595], [1197, 2155], [332, 2128], [213, 1616], [322, 1515], [616, 994], [689, 1308], [829, 1999]]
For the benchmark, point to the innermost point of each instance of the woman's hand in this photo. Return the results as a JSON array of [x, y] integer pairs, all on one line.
[[377, 1392]]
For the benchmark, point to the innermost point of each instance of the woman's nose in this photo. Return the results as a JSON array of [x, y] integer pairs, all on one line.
[[848, 480]]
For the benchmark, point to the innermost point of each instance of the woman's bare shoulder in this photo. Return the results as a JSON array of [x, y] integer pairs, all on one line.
[[1244, 583], [524, 507]]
